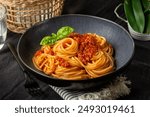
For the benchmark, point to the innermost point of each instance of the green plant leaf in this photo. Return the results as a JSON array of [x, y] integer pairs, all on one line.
[[61, 33], [130, 15], [139, 14], [146, 5], [45, 40], [64, 31]]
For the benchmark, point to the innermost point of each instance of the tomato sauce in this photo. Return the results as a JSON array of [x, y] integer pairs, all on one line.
[[39, 52], [87, 46], [62, 62]]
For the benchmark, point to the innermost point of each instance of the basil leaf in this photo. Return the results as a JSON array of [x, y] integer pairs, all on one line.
[[61, 33], [64, 31], [54, 35], [45, 40], [60, 37]]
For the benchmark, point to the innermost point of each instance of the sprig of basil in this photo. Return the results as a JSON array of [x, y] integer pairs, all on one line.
[[61, 33]]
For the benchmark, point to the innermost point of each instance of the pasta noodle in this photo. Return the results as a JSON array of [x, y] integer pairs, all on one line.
[[76, 57]]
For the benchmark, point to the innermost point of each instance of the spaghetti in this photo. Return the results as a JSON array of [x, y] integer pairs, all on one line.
[[76, 57]]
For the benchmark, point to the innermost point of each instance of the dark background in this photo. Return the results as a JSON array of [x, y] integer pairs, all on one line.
[[12, 78]]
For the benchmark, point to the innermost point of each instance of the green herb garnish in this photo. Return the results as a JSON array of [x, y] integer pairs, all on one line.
[[61, 33]]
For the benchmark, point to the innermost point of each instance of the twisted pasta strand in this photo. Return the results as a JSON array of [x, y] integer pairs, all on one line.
[[79, 56]]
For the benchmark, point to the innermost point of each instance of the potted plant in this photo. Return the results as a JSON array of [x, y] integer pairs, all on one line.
[[137, 13]]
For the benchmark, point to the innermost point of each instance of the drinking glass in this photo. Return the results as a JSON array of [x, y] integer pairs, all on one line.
[[3, 27]]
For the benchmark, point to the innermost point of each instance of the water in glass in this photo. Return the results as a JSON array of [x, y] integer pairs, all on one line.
[[3, 27]]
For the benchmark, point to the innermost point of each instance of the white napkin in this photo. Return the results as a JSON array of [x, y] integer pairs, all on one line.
[[114, 90]]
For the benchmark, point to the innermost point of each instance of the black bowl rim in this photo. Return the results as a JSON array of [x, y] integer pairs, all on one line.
[[78, 15]]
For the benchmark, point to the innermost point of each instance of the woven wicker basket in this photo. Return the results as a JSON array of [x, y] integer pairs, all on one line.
[[22, 14]]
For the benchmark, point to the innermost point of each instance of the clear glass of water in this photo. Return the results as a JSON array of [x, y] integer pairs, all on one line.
[[3, 26]]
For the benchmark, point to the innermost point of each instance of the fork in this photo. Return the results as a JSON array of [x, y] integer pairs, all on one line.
[[31, 86]]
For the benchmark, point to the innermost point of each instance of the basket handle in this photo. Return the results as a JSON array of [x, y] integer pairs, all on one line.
[[116, 13]]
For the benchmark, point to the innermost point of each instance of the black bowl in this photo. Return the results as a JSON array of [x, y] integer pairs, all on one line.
[[115, 34]]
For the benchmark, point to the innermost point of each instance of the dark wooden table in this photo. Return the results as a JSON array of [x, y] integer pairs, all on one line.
[[12, 79]]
